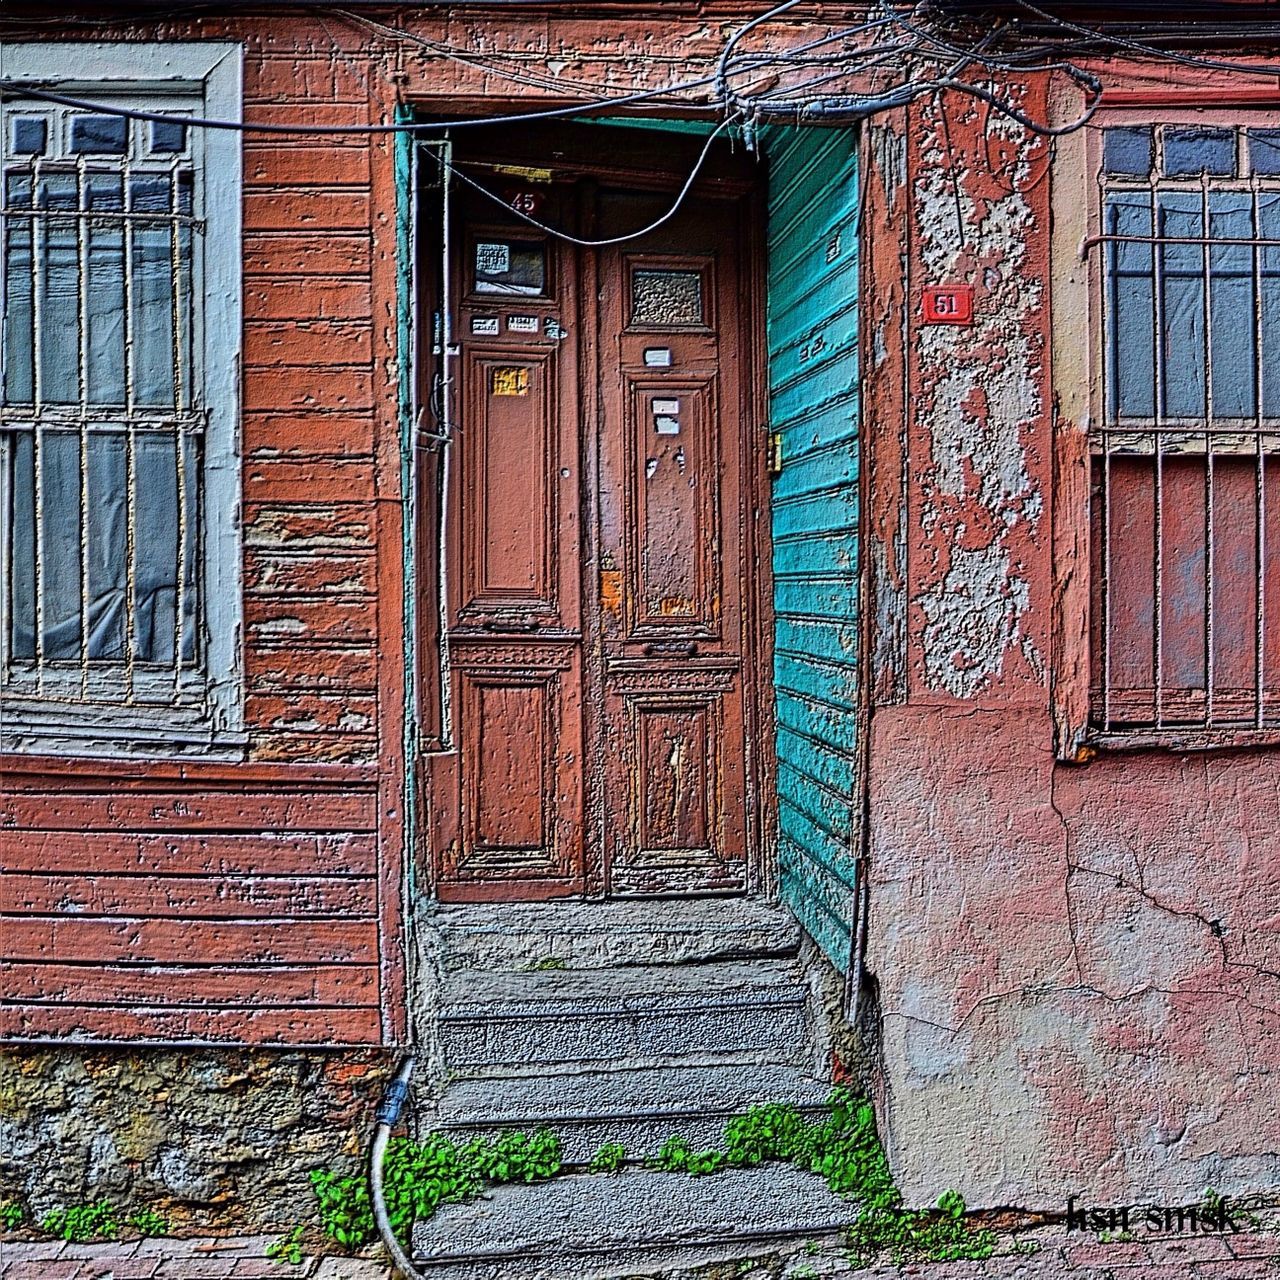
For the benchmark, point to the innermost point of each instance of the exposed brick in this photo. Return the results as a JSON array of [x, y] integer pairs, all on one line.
[[44, 1269], [293, 575], [289, 668]]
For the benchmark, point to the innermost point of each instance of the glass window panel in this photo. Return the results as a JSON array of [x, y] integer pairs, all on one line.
[[59, 465], [152, 279], [168, 137], [22, 541], [1130, 303], [19, 350], [107, 545], [1264, 151], [190, 447], [1182, 269], [1231, 306], [1199, 150], [1128, 151], [666, 297], [507, 267], [104, 296], [1269, 270], [156, 553], [99, 135], [59, 296], [28, 136]]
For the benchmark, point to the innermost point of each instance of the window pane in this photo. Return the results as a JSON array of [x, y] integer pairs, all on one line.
[[99, 135], [18, 348], [1231, 305], [22, 540], [1182, 267], [59, 465], [1192, 151], [59, 292], [1128, 151], [156, 549], [1269, 229], [1130, 301], [153, 348], [104, 297], [107, 545], [29, 135]]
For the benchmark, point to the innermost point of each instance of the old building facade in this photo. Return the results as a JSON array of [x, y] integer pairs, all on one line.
[[511, 574]]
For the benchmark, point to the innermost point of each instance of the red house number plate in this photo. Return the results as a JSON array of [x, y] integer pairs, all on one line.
[[948, 304]]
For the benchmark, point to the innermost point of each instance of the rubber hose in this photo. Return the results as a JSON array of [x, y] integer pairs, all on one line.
[[388, 1113]]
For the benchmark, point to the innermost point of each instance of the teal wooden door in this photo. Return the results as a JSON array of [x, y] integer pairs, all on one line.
[[813, 377]]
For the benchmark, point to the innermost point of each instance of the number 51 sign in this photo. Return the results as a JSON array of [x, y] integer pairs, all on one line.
[[948, 304]]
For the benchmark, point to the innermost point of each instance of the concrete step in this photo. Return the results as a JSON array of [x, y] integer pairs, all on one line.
[[508, 1023], [639, 1221], [596, 935], [639, 1109]]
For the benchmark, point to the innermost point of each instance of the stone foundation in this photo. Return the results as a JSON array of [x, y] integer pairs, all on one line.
[[205, 1137]]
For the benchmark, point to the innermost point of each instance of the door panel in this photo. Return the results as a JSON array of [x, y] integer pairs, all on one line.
[[671, 446], [513, 631], [597, 553]]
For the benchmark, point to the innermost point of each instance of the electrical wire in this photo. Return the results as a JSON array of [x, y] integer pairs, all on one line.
[[555, 232]]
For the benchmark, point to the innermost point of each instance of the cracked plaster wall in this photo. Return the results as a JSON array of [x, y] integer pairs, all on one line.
[[1078, 965]]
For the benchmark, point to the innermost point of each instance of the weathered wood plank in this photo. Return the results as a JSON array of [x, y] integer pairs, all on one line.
[[295, 1027], [116, 853], [273, 669], [235, 897], [215, 942], [211, 811], [349, 985], [321, 622]]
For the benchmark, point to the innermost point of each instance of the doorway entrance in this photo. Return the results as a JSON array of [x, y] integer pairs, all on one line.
[[591, 536]]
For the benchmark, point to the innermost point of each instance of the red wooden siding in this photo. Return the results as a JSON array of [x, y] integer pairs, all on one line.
[[259, 902]]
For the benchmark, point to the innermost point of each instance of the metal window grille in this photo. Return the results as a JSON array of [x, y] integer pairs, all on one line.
[[1186, 504], [101, 432]]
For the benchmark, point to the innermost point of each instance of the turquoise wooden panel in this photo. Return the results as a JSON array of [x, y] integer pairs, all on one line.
[[813, 378]]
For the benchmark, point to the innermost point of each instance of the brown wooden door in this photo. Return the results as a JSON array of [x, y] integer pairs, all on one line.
[[671, 551], [595, 551]]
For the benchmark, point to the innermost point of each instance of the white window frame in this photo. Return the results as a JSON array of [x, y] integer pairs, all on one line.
[[207, 78]]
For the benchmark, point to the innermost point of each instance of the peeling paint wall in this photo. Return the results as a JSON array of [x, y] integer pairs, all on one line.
[[1077, 964]]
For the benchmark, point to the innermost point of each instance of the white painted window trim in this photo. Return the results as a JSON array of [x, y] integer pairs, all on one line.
[[208, 74]]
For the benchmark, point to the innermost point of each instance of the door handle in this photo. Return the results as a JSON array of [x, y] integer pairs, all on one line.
[[510, 625], [684, 649]]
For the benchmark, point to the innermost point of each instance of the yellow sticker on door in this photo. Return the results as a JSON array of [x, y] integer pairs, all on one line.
[[511, 380]]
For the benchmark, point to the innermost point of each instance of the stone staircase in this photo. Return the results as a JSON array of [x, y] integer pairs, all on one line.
[[623, 1022]]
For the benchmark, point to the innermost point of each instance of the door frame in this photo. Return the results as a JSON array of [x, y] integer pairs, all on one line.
[[434, 771]]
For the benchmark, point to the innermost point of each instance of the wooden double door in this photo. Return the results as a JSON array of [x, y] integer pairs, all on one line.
[[597, 553]]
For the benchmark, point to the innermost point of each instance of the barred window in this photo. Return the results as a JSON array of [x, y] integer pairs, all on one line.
[[112, 534], [1186, 477]]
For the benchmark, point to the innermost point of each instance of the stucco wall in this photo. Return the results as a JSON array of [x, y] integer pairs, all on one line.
[[1076, 963]]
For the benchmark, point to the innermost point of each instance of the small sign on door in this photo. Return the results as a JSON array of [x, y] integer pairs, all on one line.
[[511, 381]]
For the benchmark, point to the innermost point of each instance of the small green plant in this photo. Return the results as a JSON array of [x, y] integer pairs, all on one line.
[[11, 1215], [909, 1235], [419, 1177], [1026, 1247], [288, 1248], [676, 1156], [609, 1159], [547, 962], [147, 1222], [80, 1222]]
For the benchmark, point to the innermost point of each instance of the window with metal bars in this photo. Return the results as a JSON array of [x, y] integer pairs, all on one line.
[[112, 530], [1186, 449]]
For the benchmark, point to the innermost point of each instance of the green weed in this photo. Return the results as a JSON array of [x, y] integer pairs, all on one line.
[[147, 1222], [288, 1248], [11, 1215], [419, 1177], [80, 1222], [609, 1159]]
